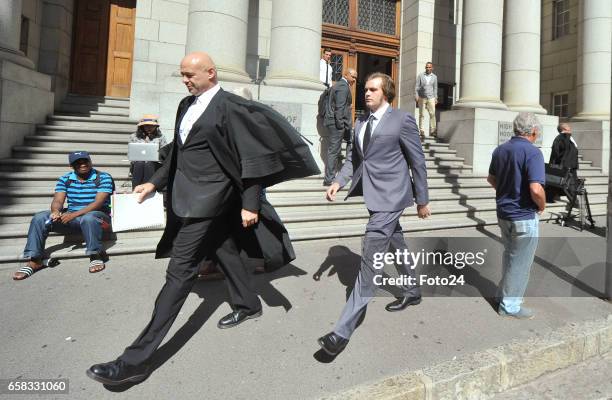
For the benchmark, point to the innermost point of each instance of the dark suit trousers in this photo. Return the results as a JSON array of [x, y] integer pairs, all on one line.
[[196, 239], [383, 232], [333, 143]]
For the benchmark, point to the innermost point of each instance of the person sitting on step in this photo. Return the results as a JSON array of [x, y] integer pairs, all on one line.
[[87, 192], [147, 132]]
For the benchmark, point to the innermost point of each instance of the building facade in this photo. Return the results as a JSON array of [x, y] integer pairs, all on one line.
[[492, 57]]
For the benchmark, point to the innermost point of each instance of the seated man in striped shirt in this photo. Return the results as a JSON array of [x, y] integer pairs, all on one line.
[[88, 193]]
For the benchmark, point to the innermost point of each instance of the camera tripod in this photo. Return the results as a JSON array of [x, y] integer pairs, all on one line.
[[577, 193]]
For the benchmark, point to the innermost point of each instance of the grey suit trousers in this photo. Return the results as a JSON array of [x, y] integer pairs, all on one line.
[[333, 143], [382, 232]]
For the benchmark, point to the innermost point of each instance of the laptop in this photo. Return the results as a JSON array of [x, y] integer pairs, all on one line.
[[143, 151]]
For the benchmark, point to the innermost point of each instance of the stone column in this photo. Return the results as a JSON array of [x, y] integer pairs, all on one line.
[[594, 59], [481, 54], [295, 44], [10, 31], [220, 29], [521, 78]]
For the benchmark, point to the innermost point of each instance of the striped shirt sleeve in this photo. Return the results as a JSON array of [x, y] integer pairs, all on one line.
[[106, 183], [60, 186]]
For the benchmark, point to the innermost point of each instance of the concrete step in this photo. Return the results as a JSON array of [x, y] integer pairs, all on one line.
[[86, 107], [130, 244], [92, 122], [84, 131], [58, 152], [93, 109], [56, 168], [84, 141], [96, 100]]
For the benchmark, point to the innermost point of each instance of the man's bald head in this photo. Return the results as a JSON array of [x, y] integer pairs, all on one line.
[[350, 75], [199, 72], [564, 127]]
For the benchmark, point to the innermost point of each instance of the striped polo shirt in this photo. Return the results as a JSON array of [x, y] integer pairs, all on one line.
[[81, 194]]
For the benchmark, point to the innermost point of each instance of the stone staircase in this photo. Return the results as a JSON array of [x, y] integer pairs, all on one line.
[[102, 127]]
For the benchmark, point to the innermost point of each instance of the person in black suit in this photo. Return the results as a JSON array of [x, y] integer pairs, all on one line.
[[564, 153], [225, 150], [338, 123]]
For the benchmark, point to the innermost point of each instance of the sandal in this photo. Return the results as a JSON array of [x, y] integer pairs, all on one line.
[[26, 270], [96, 266]]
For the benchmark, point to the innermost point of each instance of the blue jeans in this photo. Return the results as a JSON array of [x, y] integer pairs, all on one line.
[[520, 240], [90, 225]]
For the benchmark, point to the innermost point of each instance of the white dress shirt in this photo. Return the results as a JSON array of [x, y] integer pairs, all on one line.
[[377, 116], [195, 111], [325, 69]]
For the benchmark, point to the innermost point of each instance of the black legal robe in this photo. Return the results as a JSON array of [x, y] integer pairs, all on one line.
[[254, 146]]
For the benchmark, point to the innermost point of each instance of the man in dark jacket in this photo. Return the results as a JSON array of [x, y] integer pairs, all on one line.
[[564, 153], [225, 150], [338, 122], [564, 148]]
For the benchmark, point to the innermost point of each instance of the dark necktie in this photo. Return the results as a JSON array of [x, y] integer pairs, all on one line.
[[368, 133]]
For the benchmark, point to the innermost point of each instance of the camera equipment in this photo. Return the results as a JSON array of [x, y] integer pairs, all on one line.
[[573, 187]]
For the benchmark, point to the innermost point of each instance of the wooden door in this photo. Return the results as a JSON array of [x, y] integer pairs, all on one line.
[[120, 48], [90, 47]]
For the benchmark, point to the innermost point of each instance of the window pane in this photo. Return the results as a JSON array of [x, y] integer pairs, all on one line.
[[377, 16], [336, 12], [336, 63]]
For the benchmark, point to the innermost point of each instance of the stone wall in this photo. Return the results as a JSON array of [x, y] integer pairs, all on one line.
[[259, 33], [55, 49], [25, 100], [160, 39], [558, 65]]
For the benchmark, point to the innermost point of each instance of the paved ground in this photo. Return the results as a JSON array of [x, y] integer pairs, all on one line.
[[589, 380], [61, 320]]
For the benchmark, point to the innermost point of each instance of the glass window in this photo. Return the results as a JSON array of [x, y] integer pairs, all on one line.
[[561, 18], [377, 16], [336, 12], [561, 105], [336, 63]]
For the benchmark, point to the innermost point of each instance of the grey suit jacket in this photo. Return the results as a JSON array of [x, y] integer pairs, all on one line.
[[338, 112], [383, 174]]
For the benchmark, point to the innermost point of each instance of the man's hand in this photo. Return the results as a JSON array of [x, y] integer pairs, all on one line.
[[249, 218], [145, 189], [55, 216], [67, 217], [330, 194], [423, 211]]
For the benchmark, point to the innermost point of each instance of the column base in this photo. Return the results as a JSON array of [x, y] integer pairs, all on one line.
[[532, 108], [590, 117], [492, 104], [16, 57], [291, 81], [232, 75], [476, 132]]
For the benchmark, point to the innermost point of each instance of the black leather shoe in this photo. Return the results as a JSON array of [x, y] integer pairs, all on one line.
[[402, 303], [237, 317], [118, 373], [332, 344]]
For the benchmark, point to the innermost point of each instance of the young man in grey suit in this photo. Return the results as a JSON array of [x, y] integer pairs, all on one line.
[[386, 152], [338, 122]]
